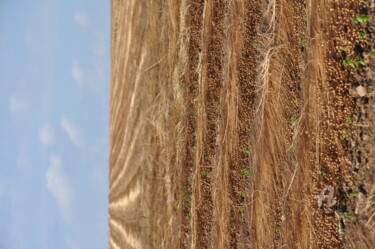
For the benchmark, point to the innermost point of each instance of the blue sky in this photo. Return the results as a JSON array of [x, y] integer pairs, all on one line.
[[54, 114]]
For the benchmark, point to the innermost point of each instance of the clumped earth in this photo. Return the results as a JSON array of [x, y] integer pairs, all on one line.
[[242, 124]]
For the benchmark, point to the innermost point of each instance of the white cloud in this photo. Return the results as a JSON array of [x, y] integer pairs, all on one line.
[[77, 73], [47, 134], [18, 104], [81, 18], [72, 132], [58, 185]]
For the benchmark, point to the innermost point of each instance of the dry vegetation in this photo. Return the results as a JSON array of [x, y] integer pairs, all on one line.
[[230, 118]]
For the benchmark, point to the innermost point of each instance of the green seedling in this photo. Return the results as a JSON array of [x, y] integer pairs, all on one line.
[[302, 43], [360, 176], [362, 34], [175, 208], [276, 227], [359, 148], [344, 49], [245, 171], [240, 208], [293, 147], [296, 101], [354, 194], [245, 195], [246, 151], [372, 53], [309, 50], [348, 215], [254, 44], [305, 18], [206, 174], [360, 18], [346, 133], [293, 120], [322, 172], [350, 119], [353, 62]]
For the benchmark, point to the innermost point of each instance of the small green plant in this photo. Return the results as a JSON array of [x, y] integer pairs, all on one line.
[[346, 133], [344, 49], [245, 194], [360, 176], [309, 50], [359, 148], [348, 215], [293, 147], [322, 172], [293, 120], [302, 43], [353, 62], [240, 208], [245, 171], [254, 44], [206, 174], [276, 227], [296, 101], [350, 119], [305, 18], [360, 18], [246, 151], [354, 194], [372, 53], [362, 34], [175, 208]]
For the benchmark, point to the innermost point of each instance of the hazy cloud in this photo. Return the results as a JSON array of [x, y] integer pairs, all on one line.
[[72, 132], [47, 134], [58, 185], [77, 73], [81, 18], [18, 104]]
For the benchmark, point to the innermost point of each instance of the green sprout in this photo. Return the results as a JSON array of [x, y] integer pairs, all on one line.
[[350, 119], [206, 174], [346, 133], [322, 172], [245, 171], [359, 148], [293, 120], [296, 101], [344, 49], [361, 176], [354, 194], [348, 215], [246, 151], [245, 195], [175, 208], [255, 44], [276, 227], [293, 147], [305, 18], [309, 50], [240, 208], [302, 43], [353, 62], [360, 18], [362, 34]]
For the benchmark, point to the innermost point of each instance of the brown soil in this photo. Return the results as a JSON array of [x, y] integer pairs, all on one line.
[[230, 118]]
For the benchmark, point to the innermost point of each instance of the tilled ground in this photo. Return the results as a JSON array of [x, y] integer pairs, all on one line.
[[242, 124]]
